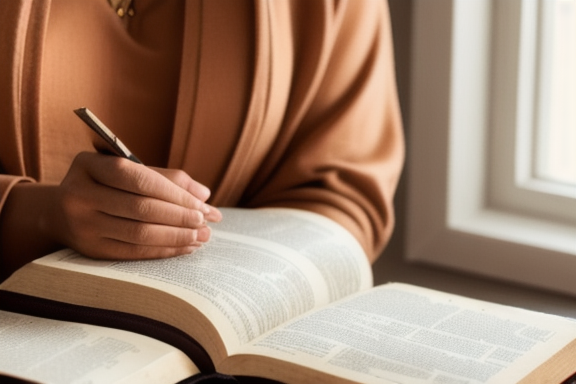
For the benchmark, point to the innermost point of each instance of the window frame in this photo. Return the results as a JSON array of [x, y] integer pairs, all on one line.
[[517, 82], [452, 220], [551, 73]]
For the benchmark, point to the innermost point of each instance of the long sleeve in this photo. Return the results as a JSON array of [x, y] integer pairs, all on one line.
[[19, 76], [340, 150]]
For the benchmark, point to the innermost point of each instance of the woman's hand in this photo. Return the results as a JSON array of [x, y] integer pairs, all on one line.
[[110, 207]]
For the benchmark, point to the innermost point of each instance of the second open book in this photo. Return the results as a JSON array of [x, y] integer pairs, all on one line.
[[287, 295]]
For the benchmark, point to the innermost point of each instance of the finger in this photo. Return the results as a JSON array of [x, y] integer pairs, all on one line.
[[126, 175], [100, 237], [204, 234], [214, 216], [116, 250], [146, 209], [183, 180], [140, 233], [102, 226]]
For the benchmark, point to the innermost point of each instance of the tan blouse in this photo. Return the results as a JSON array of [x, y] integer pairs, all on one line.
[[269, 103], [127, 76]]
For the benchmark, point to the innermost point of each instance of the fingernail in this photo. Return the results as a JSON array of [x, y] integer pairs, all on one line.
[[194, 239], [205, 209], [215, 215], [204, 234]]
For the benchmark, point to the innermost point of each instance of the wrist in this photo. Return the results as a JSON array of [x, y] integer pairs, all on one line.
[[26, 225]]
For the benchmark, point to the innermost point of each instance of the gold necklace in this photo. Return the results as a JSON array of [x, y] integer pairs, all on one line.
[[122, 7]]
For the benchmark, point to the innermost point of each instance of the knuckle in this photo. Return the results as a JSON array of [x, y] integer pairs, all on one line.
[[179, 176], [139, 233], [141, 182], [118, 163], [197, 205], [126, 170], [142, 208]]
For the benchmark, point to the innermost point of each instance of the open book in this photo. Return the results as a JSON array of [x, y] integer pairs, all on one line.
[[51, 351], [287, 295]]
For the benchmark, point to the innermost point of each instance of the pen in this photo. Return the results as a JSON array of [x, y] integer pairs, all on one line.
[[112, 142]]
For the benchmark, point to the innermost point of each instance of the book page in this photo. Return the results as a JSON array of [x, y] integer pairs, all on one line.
[[334, 251], [51, 351], [405, 334], [245, 284]]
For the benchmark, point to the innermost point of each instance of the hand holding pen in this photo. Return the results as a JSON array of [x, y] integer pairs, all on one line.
[[114, 207]]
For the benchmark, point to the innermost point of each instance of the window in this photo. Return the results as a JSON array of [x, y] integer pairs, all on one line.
[[555, 151], [483, 195], [532, 124]]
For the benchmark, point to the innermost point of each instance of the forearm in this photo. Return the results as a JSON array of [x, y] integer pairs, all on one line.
[[24, 226]]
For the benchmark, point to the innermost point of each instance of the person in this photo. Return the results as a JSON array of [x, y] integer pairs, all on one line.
[[284, 103]]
